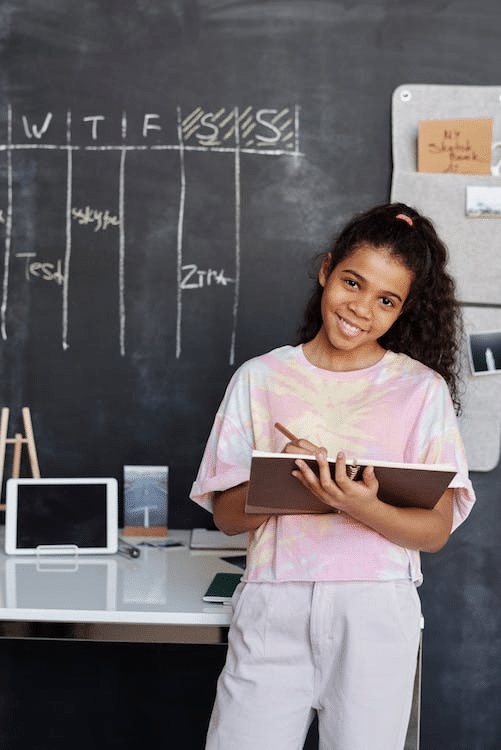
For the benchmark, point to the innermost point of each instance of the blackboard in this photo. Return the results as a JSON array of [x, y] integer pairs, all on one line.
[[118, 363], [167, 171]]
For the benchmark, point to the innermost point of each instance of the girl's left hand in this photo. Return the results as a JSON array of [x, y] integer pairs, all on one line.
[[342, 493]]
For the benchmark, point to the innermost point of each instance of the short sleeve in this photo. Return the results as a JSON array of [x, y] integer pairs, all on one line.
[[227, 456], [436, 439]]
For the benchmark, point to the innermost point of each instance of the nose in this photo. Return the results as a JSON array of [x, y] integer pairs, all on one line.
[[361, 306]]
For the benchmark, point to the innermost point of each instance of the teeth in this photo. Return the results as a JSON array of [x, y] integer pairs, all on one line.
[[349, 328]]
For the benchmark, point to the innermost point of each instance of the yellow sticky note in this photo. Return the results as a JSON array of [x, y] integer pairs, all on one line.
[[455, 146]]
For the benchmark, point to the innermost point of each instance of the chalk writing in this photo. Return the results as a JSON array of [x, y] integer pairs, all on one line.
[[33, 131], [263, 128], [2, 217], [47, 271], [42, 270], [253, 128], [269, 132], [102, 219], [195, 278]]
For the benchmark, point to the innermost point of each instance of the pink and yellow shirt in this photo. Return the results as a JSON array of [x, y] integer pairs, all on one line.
[[396, 410]]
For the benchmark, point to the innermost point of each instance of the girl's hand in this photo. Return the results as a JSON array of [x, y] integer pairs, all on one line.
[[415, 528], [342, 493], [303, 446]]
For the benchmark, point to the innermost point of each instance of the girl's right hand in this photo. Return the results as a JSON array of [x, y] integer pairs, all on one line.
[[304, 446]]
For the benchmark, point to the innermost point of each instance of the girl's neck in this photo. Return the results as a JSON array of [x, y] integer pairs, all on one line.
[[340, 361]]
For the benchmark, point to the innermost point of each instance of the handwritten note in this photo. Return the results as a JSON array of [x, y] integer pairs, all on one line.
[[101, 219], [455, 146]]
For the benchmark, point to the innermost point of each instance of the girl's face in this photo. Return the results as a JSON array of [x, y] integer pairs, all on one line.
[[362, 298]]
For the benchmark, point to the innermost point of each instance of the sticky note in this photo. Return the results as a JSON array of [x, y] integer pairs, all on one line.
[[455, 146]]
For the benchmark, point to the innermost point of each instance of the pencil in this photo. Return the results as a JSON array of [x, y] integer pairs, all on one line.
[[286, 432]]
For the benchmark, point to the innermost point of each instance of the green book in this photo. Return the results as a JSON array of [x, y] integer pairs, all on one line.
[[222, 587]]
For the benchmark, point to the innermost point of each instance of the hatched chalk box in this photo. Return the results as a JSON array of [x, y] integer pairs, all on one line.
[[145, 500]]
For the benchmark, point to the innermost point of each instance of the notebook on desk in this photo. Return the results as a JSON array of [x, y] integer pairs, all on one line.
[[212, 539]]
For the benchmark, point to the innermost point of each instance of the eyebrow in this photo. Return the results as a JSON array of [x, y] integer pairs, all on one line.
[[362, 278]]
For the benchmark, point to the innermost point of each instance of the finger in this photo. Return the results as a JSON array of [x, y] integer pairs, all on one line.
[[319, 481], [306, 474], [325, 489], [293, 448], [369, 479], [340, 472], [301, 446], [324, 470], [308, 447]]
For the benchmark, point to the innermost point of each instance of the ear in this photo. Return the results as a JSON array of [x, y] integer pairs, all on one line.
[[324, 272]]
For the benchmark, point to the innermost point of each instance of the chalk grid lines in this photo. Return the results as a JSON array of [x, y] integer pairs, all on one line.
[[252, 131]]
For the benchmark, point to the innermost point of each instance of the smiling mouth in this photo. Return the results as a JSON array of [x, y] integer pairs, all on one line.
[[348, 328]]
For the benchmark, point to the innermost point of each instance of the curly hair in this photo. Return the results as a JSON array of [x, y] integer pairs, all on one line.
[[429, 327]]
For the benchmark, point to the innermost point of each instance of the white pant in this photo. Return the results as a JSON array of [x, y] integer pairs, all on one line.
[[346, 649]]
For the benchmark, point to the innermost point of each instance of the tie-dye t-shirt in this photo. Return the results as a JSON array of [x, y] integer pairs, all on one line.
[[396, 410]]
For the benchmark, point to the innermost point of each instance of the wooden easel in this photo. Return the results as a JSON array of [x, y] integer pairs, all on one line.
[[18, 441]]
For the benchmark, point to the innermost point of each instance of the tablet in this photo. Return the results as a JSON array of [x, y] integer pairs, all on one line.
[[61, 516]]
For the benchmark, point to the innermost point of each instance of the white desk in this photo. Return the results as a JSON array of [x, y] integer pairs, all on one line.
[[109, 597], [156, 597]]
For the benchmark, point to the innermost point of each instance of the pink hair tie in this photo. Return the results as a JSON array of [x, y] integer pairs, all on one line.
[[406, 218]]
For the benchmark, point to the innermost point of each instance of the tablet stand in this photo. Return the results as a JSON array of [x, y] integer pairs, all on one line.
[[66, 558], [18, 441], [56, 549]]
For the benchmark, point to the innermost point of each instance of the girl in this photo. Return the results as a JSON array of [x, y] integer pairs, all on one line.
[[327, 617]]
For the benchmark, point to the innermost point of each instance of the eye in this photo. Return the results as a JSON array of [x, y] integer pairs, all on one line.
[[387, 302], [352, 283]]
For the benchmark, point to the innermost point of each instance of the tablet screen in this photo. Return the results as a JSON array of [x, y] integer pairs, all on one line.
[[61, 512]]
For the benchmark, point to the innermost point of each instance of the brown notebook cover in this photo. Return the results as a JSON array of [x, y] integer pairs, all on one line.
[[272, 488]]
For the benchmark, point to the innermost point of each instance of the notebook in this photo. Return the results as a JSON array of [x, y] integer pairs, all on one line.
[[272, 488], [213, 539]]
